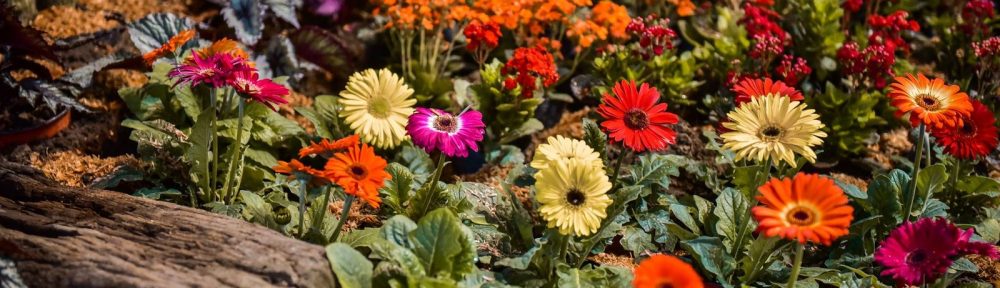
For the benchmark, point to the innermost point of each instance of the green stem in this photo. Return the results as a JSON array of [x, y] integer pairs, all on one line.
[[303, 190], [916, 169], [322, 216], [618, 168], [232, 161], [796, 265], [343, 218], [214, 176], [955, 172]]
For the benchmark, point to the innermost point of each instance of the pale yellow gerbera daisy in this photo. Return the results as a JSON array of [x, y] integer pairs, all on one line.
[[572, 196], [559, 147], [377, 105], [775, 128]]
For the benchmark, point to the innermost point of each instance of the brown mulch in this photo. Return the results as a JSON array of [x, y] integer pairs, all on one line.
[[59, 22], [860, 183], [989, 270], [134, 9], [296, 99], [615, 260], [892, 143], [360, 216], [73, 168]]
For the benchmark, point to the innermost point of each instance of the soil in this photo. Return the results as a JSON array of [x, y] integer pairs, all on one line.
[[59, 22], [360, 216], [989, 270], [614, 260], [892, 143], [860, 183], [296, 99], [75, 169]]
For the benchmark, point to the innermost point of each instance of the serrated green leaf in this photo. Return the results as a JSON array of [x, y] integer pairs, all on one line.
[[883, 194], [734, 220], [246, 17], [352, 269], [655, 169], [443, 245], [595, 138], [397, 189], [154, 30]]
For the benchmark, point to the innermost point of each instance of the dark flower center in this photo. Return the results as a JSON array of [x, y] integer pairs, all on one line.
[[968, 129], [358, 172], [916, 257], [636, 119], [575, 197], [446, 123], [928, 102], [665, 285], [770, 133], [801, 216]]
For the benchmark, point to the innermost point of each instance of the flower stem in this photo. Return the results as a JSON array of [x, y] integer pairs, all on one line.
[[232, 161], [303, 190], [343, 217], [796, 265], [618, 168], [916, 169]]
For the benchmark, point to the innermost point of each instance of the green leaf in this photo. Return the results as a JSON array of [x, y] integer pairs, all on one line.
[[964, 265], [122, 173], [656, 169], [257, 210], [397, 190], [760, 255], [397, 229], [362, 237], [520, 262], [934, 208], [595, 138], [154, 30], [247, 18], [584, 278], [352, 269], [157, 193], [284, 9], [711, 256], [530, 126], [931, 180], [419, 163], [978, 185], [443, 245], [198, 153], [427, 198], [883, 195], [748, 178], [989, 230], [636, 240], [322, 129], [734, 220], [683, 214]]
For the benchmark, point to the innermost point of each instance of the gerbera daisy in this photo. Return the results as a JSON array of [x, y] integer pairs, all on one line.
[[572, 195], [175, 42], [360, 172], [434, 129], [559, 147], [295, 169], [265, 91], [804, 208], [976, 138], [215, 70], [224, 46], [749, 88], [919, 252], [325, 146], [376, 105], [661, 270], [773, 127], [931, 102], [968, 247], [634, 117]]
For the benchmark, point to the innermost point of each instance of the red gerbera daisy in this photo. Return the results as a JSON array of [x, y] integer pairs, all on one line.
[[635, 118], [265, 91], [975, 139], [748, 89]]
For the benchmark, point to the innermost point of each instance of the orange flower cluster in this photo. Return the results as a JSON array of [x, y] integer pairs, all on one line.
[[357, 170], [423, 14], [606, 19], [175, 42]]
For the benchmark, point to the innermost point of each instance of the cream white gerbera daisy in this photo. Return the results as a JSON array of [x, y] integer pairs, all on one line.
[[377, 105], [559, 147], [573, 196], [773, 128]]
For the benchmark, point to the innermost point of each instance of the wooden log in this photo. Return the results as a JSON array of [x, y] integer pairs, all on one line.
[[70, 237]]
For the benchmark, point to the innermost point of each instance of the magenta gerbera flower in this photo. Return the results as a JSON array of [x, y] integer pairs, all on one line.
[[265, 91], [434, 129], [968, 247], [214, 70], [920, 252]]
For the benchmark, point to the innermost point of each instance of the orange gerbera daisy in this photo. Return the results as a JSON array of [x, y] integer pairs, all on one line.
[[325, 146], [176, 41], [360, 172], [294, 167], [662, 270], [748, 89], [805, 208], [929, 101], [224, 45]]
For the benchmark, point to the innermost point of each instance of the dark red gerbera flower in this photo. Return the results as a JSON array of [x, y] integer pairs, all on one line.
[[634, 117], [975, 139]]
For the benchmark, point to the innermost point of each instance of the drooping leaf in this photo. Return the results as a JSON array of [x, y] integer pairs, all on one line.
[[54, 95], [198, 154], [710, 255], [247, 18], [154, 30], [352, 269]]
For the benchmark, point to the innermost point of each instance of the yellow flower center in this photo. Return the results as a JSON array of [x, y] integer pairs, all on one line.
[[379, 107], [770, 133], [928, 102], [801, 216], [575, 197], [636, 119]]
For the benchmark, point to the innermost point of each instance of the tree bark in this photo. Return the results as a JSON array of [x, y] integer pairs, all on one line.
[[69, 237]]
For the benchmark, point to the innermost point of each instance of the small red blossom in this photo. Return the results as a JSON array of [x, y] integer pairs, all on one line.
[[654, 34], [853, 6], [975, 15], [767, 47], [793, 69], [479, 35], [851, 60], [528, 66], [987, 48], [762, 21], [888, 29]]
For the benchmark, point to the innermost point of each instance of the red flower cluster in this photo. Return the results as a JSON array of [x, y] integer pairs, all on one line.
[[987, 48], [761, 21], [888, 30], [486, 36], [767, 47], [874, 62], [793, 69], [654, 35], [974, 16], [853, 6], [526, 67], [975, 139]]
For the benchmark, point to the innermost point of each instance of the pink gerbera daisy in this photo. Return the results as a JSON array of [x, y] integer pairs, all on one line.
[[434, 129], [265, 91], [920, 252], [214, 70]]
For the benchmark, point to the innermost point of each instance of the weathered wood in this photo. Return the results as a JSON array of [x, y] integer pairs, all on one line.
[[67, 237]]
